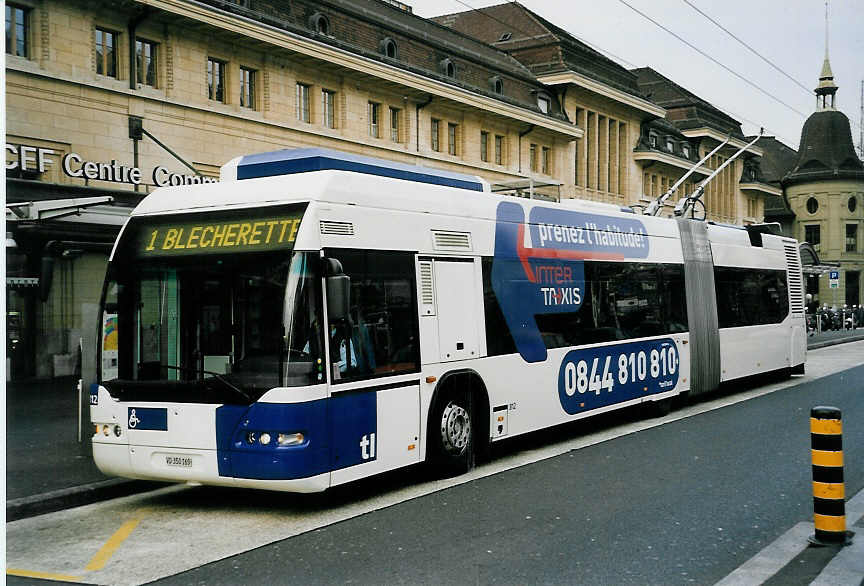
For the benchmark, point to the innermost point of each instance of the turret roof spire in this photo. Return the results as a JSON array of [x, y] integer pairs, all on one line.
[[826, 88]]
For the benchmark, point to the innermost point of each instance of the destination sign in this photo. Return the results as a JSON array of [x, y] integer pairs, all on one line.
[[218, 236]]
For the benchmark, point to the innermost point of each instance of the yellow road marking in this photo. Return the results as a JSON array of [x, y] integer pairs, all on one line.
[[103, 555], [43, 575]]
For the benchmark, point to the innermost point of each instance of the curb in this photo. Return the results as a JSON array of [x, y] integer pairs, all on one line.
[[66, 498], [834, 342]]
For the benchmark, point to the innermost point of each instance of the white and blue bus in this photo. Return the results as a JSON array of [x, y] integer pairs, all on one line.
[[317, 318]]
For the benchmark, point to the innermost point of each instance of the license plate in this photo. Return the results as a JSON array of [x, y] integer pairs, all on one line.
[[178, 461]]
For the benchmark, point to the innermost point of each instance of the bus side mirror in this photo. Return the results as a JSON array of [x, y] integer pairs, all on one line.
[[338, 291]]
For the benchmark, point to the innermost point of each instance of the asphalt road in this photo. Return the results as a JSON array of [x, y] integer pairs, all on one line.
[[616, 499], [682, 503]]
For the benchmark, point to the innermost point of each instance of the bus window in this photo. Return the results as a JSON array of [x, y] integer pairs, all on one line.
[[748, 297], [621, 301], [380, 338]]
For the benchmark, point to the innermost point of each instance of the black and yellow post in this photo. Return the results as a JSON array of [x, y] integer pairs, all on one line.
[[829, 494]]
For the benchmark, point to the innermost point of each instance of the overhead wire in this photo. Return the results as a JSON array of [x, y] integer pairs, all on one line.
[[712, 59], [807, 90], [751, 49], [633, 66]]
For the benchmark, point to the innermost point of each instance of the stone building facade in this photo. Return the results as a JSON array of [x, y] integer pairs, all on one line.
[[642, 131], [823, 201], [108, 99]]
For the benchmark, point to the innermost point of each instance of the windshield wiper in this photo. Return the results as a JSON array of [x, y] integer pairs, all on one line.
[[215, 375]]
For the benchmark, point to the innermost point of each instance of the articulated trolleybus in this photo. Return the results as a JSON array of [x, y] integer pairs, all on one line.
[[317, 318]]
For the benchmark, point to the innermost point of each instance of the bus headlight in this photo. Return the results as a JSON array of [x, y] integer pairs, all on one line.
[[290, 439], [118, 430], [264, 439], [106, 430]]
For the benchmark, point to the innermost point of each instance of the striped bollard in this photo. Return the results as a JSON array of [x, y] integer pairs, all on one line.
[[829, 505]]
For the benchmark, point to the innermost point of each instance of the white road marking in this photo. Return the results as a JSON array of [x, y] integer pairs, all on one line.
[[176, 535], [772, 559]]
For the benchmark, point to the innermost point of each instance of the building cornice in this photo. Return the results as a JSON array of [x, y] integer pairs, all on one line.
[[706, 132], [669, 160], [310, 48], [604, 90], [763, 187]]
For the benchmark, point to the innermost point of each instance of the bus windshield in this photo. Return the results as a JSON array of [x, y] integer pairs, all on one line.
[[212, 327]]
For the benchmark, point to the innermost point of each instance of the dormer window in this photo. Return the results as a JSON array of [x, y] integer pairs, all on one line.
[[505, 37], [448, 68], [544, 102], [670, 145], [388, 48], [652, 140], [496, 85], [685, 150], [319, 23]]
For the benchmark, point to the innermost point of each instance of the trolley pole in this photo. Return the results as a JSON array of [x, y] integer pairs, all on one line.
[[829, 505]]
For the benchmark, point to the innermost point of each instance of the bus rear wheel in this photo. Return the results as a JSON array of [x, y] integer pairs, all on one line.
[[452, 437]]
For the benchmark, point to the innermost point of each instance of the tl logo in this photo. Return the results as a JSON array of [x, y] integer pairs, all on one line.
[[367, 446]]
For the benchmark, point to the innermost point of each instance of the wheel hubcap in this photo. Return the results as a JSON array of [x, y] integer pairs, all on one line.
[[455, 428]]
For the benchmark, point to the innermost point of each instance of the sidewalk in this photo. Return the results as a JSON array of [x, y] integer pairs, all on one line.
[[47, 469], [830, 338]]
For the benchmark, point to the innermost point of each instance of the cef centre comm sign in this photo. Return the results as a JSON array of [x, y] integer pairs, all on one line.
[[37, 159]]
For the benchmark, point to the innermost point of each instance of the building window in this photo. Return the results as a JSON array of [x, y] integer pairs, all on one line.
[[497, 85], [544, 103], [545, 160], [685, 151], [451, 138], [17, 30], [434, 131], [484, 146], [388, 47], [302, 99], [145, 62], [247, 87], [106, 52], [852, 204], [652, 140], [448, 68], [670, 146], [216, 79], [328, 108], [374, 119], [394, 124], [320, 24], [499, 149], [812, 205], [851, 237], [812, 235], [532, 157]]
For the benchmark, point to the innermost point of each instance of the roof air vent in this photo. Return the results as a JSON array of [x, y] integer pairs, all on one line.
[[446, 240], [338, 228]]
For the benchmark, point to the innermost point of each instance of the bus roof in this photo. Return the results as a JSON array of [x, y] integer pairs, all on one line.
[[290, 161]]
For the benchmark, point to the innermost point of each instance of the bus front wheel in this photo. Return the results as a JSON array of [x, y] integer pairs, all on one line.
[[452, 438]]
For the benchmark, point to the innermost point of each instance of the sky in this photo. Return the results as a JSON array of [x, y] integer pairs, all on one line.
[[788, 33]]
